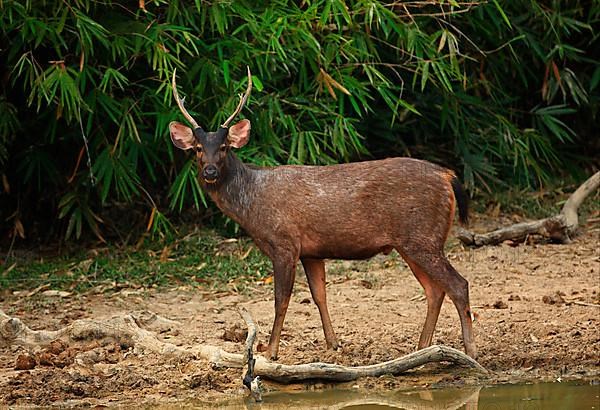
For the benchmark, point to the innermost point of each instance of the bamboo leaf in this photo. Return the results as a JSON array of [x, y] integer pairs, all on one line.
[[502, 13]]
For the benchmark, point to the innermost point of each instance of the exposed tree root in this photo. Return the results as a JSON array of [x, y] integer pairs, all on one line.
[[127, 330], [559, 227], [250, 381]]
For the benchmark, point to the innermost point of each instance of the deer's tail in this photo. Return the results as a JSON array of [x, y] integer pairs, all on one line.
[[462, 200]]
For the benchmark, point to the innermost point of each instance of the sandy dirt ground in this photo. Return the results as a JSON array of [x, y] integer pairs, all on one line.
[[538, 308]]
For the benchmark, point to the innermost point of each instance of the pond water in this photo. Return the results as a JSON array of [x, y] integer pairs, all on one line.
[[537, 396]]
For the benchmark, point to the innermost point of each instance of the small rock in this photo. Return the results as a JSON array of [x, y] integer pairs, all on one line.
[[46, 359], [514, 297], [499, 304], [75, 388], [56, 346], [201, 380], [366, 284], [235, 333], [25, 361], [305, 301], [65, 358], [555, 299]]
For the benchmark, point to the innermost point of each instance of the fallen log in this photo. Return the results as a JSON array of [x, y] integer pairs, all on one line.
[[126, 329], [559, 228]]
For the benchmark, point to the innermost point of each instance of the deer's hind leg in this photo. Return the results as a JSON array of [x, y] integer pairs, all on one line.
[[435, 297], [315, 273], [438, 277]]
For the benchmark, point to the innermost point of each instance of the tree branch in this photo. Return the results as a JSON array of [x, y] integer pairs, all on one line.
[[250, 381], [559, 227]]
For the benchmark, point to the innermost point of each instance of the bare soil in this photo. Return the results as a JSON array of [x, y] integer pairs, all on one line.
[[538, 307]]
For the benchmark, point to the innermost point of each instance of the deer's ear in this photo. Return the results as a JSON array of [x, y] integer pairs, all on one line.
[[181, 135], [239, 134]]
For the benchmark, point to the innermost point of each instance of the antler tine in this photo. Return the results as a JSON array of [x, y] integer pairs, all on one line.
[[242, 101], [180, 104]]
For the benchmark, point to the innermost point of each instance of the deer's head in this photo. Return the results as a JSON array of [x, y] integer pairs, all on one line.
[[211, 148]]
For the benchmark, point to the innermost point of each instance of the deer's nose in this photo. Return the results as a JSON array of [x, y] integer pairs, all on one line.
[[210, 173]]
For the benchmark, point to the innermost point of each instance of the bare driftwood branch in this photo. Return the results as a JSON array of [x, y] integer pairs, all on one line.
[[553, 227], [559, 227], [334, 372], [250, 381], [126, 330]]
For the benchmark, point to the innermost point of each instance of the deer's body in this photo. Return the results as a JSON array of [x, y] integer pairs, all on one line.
[[348, 211]]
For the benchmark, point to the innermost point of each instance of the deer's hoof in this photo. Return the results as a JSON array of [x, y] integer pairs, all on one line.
[[334, 345], [263, 348]]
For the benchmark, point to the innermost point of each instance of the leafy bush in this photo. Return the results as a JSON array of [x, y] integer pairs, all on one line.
[[495, 89]]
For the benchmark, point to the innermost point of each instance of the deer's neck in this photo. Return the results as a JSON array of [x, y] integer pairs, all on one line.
[[236, 192]]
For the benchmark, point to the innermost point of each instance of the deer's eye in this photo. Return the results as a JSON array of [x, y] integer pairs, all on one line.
[[199, 149], [223, 148]]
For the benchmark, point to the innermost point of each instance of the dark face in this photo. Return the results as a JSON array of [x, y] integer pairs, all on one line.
[[211, 150]]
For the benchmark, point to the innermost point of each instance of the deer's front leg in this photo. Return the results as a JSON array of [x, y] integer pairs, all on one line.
[[284, 268]]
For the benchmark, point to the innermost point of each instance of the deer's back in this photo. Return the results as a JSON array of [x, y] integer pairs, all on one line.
[[355, 210]]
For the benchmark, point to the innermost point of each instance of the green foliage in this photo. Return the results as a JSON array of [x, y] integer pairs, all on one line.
[[201, 258], [504, 91]]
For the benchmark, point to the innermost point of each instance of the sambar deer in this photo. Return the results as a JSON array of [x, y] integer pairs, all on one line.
[[346, 211]]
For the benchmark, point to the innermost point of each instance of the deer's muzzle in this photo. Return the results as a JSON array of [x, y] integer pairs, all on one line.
[[210, 173]]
